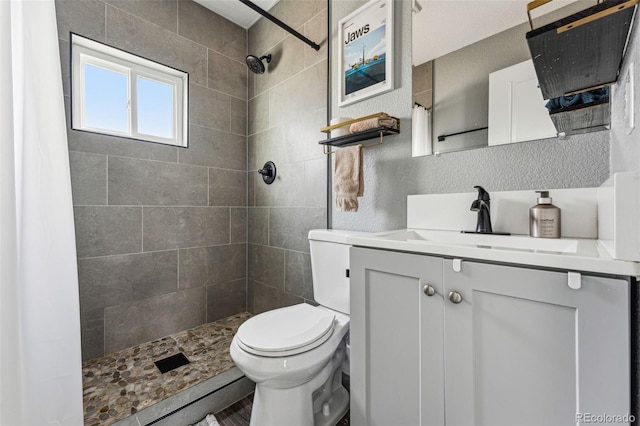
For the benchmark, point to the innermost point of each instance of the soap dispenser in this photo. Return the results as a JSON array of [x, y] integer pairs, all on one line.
[[544, 218]]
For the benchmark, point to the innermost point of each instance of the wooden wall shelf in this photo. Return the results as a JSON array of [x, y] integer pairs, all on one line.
[[354, 138]]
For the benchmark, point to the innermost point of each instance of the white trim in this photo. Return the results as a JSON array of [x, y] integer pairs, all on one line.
[[79, 82], [85, 51]]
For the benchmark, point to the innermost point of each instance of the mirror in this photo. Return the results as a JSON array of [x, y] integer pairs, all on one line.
[[456, 45]]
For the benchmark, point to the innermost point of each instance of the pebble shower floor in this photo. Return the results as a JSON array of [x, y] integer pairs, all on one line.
[[120, 384]]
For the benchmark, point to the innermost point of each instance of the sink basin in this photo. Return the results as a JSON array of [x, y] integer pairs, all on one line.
[[574, 254], [507, 242]]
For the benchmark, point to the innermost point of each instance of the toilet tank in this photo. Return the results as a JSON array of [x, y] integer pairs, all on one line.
[[329, 265]]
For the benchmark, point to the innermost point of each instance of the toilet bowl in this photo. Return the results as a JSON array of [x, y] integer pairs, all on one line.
[[296, 354], [287, 378]]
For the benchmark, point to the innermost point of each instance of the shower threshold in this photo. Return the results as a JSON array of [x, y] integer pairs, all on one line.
[[127, 388]]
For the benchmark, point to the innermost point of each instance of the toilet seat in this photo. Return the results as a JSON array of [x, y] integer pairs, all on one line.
[[286, 331]]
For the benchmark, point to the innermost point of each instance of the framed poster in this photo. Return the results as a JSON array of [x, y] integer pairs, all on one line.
[[365, 52]]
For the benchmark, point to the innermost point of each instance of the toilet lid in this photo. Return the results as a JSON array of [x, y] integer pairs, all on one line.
[[290, 329]]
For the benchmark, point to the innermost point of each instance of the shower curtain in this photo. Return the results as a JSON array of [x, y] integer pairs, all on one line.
[[40, 360], [420, 131]]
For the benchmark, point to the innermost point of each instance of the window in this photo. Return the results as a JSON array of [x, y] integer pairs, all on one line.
[[117, 93]]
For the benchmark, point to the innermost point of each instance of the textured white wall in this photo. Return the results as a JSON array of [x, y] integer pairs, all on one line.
[[625, 142], [391, 173], [384, 203]]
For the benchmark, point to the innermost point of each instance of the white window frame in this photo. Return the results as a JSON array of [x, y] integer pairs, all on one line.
[[85, 51]]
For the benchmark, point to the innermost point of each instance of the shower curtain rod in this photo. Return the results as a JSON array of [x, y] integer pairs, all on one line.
[[280, 23]]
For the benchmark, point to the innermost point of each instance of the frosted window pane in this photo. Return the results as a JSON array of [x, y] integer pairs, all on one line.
[[106, 99], [155, 108]]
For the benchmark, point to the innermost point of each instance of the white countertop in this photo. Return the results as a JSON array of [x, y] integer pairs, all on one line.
[[586, 255]]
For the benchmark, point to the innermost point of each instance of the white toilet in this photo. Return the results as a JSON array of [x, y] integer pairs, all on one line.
[[295, 354]]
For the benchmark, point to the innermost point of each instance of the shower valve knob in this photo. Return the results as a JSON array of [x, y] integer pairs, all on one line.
[[265, 172], [268, 172]]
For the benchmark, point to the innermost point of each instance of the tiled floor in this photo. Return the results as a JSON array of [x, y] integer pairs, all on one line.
[[239, 414], [120, 384]]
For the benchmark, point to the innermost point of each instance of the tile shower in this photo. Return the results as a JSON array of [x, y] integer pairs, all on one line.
[[167, 238]]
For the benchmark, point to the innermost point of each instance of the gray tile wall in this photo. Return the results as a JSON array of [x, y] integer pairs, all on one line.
[[287, 108], [162, 231]]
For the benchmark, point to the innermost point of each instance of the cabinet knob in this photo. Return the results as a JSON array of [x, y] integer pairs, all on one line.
[[429, 290], [455, 297]]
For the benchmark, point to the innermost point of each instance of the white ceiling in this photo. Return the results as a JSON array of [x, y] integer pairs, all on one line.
[[443, 26], [237, 12]]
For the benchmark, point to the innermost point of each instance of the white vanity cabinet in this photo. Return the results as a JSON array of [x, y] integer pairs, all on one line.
[[519, 348]]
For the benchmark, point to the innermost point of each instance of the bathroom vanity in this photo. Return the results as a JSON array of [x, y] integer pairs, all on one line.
[[490, 344], [450, 329]]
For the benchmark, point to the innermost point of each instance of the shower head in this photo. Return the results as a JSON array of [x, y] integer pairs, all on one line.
[[255, 64]]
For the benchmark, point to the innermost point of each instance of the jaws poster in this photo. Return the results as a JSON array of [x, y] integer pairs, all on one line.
[[365, 51]]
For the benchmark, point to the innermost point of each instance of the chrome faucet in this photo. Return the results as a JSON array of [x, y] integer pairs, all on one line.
[[482, 206]]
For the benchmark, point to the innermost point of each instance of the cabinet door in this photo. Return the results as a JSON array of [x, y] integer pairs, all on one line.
[[517, 111], [522, 348], [396, 339]]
